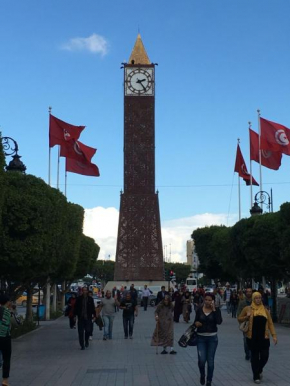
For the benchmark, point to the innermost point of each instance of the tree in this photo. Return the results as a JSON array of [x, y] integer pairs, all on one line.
[[31, 238], [181, 270], [88, 255], [212, 247]]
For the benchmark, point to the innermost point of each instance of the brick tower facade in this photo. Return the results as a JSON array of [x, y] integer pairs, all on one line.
[[139, 254]]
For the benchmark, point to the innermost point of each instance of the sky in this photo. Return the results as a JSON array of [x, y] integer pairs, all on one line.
[[218, 62]]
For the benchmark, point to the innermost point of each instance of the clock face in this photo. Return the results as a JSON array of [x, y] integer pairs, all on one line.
[[139, 81]]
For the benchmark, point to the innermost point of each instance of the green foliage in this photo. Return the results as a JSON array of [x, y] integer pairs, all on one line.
[[104, 270], [88, 256], [252, 248], [181, 270], [212, 247]]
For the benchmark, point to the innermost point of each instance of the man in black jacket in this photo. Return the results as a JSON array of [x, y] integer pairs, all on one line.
[[85, 311], [161, 295]]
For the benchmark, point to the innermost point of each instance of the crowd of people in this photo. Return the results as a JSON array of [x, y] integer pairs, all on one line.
[[250, 308]]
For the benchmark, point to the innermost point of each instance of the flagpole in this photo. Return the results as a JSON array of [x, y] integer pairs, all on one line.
[[251, 177], [239, 190], [49, 151], [58, 159], [260, 153], [65, 182]]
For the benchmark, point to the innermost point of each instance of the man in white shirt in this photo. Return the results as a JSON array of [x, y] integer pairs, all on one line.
[[145, 296]]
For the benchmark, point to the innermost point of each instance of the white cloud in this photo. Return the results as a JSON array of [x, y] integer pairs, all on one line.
[[96, 44], [102, 225]]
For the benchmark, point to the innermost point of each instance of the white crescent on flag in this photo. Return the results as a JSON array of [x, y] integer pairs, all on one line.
[[244, 169], [281, 137]]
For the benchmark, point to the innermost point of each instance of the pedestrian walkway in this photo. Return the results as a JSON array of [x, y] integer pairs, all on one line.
[[51, 356]]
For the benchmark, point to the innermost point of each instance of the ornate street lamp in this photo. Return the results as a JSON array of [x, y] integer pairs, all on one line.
[[10, 147], [261, 198]]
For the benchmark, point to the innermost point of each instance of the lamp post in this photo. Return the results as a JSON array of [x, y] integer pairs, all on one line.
[[10, 147], [263, 197]]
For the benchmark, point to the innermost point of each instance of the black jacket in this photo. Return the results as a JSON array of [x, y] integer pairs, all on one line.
[[209, 322], [160, 296], [90, 307]]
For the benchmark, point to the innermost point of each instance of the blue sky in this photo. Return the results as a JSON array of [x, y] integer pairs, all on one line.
[[218, 62]]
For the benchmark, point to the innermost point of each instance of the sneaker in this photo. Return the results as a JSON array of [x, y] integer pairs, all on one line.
[[104, 338], [202, 380], [83, 347], [90, 338], [172, 352], [164, 352], [257, 381]]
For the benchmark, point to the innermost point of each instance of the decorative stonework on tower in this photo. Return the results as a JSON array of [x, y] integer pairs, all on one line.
[[139, 254]]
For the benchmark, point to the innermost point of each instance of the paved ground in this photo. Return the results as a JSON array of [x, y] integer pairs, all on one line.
[[51, 356]]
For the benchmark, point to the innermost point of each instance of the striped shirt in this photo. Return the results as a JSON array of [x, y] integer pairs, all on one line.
[[5, 318]]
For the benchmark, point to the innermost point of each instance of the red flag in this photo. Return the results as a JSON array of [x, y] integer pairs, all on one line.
[[269, 159], [60, 132], [275, 137], [241, 168], [77, 150], [85, 168]]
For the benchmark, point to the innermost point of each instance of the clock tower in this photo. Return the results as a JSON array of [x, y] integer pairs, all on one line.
[[139, 254]]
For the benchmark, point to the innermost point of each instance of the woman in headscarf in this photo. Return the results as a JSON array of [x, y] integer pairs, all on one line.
[[258, 334], [163, 334], [186, 306]]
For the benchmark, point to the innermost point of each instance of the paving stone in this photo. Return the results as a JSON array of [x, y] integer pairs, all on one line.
[[50, 356]]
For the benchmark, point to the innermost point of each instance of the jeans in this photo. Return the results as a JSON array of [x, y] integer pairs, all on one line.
[[84, 328], [128, 321], [5, 348], [206, 348], [228, 304], [108, 325], [145, 302]]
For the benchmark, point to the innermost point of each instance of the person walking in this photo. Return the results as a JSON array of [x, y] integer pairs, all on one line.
[[107, 307], [85, 311], [258, 334], [247, 301], [206, 320], [197, 299], [234, 300], [133, 292], [130, 309], [5, 337], [71, 305], [227, 297], [145, 296], [186, 306], [161, 295], [218, 298], [177, 297], [163, 334], [116, 294]]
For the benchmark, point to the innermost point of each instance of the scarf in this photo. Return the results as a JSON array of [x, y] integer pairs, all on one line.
[[258, 310]]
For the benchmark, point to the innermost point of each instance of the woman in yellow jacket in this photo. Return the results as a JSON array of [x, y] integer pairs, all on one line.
[[258, 334]]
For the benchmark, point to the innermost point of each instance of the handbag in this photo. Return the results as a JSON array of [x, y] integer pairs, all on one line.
[[189, 338], [244, 326]]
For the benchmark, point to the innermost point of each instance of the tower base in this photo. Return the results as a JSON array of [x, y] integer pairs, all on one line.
[[154, 285]]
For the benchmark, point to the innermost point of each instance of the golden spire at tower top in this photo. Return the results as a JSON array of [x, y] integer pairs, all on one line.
[[139, 54]]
